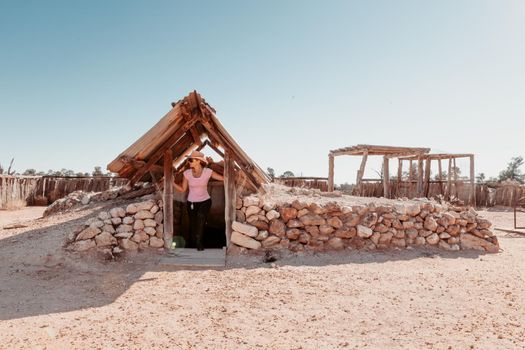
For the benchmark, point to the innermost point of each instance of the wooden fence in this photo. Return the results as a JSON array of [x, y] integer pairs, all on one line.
[[485, 196], [32, 189], [320, 183]]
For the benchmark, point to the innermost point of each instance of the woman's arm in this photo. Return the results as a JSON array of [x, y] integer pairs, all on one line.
[[183, 187], [216, 176]]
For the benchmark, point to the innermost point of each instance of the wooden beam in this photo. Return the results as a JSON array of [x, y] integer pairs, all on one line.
[[215, 148], [449, 179], [386, 178], [361, 172], [440, 177], [330, 173], [154, 158], [455, 177], [229, 194], [420, 177], [399, 175], [168, 198], [472, 196], [428, 163], [209, 115]]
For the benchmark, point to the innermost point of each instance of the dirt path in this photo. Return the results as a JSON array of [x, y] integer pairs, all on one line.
[[353, 300], [8, 217]]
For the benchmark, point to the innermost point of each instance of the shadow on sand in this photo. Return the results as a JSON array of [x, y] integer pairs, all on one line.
[[38, 277]]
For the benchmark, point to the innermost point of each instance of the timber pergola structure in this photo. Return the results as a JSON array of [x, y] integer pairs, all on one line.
[[420, 156], [373, 150], [190, 125], [439, 157]]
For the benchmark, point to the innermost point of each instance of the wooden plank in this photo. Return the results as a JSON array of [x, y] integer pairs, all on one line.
[[386, 178], [472, 195], [449, 179], [160, 151], [168, 198], [428, 163], [455, 177], [215, 148], [227, 140], [420, 177], [440, 177], [187, 257], [361, 172], [229, 194], [156, 135], [399, 176], [330, 173]]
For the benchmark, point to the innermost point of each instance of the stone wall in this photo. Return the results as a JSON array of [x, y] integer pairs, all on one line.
[[301, 226], [138, 226]]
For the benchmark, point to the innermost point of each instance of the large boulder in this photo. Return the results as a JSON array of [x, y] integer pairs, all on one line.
[[364, 232], [312, 219], [105, 239], [469, 241], [88, 233], [156, 242], [245, 229], [244, 241], [84, 245], [277, 227]]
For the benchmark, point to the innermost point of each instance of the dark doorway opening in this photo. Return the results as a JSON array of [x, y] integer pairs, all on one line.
[[215, 229]]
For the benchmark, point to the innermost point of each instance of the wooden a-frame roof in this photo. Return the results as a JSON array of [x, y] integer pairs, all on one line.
[[190, 125]]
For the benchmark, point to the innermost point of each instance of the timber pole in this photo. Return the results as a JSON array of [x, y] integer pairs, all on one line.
[[449, 179], [386, 178], [472, 196], [168, 198], [229, 194], [330, 172]]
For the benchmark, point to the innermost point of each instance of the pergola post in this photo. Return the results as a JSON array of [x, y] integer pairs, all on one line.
[[386, 178], [455, 177], [399, 174], [472, 196], [449, 179], [229, 193], [330, 172], [360, 172], [419, 176], [440, 176], [168, 198], [428, 162]]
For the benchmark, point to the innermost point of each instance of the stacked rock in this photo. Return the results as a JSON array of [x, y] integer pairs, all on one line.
[[137, 227], [78, 198], [300, 226]]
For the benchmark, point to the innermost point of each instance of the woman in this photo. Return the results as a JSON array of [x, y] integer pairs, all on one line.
[[199, 201]]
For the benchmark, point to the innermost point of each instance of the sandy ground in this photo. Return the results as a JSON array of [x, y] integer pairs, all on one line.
[[21, 216], [408, 299]]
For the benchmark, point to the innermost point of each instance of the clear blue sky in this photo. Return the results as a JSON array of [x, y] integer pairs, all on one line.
[[81, 80]]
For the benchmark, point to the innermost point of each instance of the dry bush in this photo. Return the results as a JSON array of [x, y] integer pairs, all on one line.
[[16, 204], [40, 201]]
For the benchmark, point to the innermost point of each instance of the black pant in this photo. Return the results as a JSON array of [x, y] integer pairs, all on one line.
[[198, 213]]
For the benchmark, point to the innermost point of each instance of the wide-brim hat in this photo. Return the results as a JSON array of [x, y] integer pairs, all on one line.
[[197, 155]]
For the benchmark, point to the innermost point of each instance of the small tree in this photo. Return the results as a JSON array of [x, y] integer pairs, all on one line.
[[287, 173], [480, 178], [513, 172], [29, 172], [271, 173], [97, 171]]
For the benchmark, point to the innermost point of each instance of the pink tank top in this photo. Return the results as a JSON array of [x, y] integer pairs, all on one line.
[[198, 185]]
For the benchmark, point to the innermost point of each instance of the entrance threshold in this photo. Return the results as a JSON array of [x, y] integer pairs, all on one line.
[[190, 257]]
